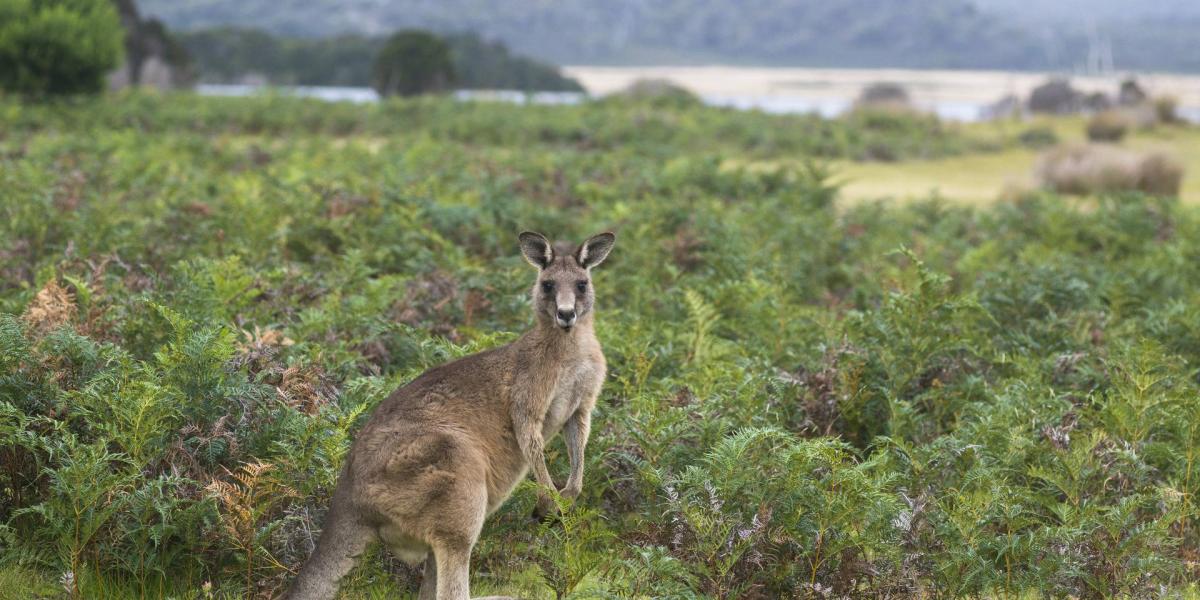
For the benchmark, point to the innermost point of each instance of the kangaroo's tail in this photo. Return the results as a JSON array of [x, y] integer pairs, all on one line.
[[343, 540]]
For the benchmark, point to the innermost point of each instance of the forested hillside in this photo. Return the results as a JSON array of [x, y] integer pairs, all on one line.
[[227, 54], [863, 33]]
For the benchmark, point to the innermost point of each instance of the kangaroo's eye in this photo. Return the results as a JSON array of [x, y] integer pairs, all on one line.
[[581, 286], [548, 287]]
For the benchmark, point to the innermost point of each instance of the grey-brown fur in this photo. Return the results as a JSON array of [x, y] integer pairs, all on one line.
[[442, 453]]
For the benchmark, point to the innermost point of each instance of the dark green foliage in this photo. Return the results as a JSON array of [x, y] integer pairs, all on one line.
[[412, 62], [806, 398], [228, 54], [625, 127], [488, 65], [53, 47], [657, 92], [1038, 137]]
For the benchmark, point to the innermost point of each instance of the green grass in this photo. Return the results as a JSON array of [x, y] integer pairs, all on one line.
[[201, 299], [17, 583]]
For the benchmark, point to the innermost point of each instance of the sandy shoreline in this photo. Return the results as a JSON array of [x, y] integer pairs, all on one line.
[[927, 87]]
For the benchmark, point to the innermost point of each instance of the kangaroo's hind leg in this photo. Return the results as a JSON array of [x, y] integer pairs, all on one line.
[[453, 537], [453, 574]]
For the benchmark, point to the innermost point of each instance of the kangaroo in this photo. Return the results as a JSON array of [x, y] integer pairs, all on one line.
[[446, 450]]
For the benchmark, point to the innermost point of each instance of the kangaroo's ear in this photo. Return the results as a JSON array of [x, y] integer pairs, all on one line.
[[595, 249], [536, 249]]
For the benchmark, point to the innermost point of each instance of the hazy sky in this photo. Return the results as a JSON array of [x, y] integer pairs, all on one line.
[[1082, 10]]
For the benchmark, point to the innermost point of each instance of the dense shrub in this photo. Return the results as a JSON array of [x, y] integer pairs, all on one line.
[[1055, 96], [806, 398], [58, 47]]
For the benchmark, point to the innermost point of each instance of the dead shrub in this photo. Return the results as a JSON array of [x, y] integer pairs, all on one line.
[[199, 448], [306, 389], [1108, 126], [258, 348], [885, 96], [52, 308]]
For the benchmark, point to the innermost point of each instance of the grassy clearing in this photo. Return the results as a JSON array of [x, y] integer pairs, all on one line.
[[974, 178], [201, 299]]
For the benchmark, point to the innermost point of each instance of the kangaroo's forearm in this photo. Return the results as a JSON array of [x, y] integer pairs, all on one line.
[[528, 429], [576, 433], [533, 447]]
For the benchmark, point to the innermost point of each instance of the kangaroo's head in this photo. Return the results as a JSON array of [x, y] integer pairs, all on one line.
[[562, 294]]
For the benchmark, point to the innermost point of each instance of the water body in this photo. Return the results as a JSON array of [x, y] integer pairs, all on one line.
[[952, 95], [361, 95]]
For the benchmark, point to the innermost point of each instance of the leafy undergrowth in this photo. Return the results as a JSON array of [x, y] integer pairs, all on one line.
[[200, 300]]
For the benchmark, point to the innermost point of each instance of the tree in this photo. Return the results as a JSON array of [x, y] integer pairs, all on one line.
[[58, 46], [153, 55], [413, 62]]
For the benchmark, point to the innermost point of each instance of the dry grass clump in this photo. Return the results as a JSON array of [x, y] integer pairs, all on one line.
[[1099, 168], [52, 308], [1141, 116], [1160, 174]]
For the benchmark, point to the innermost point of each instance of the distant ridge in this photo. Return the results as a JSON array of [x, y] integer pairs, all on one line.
[[989, 34]]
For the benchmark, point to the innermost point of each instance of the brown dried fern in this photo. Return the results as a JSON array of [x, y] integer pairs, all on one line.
[[246, 503]]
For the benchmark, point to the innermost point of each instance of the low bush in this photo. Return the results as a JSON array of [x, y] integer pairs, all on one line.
[[1038, 137]]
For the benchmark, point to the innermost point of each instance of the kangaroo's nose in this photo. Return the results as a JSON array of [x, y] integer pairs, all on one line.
[[566, 316]]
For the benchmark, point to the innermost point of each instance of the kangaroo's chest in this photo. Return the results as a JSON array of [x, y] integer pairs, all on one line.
[[576, 382]]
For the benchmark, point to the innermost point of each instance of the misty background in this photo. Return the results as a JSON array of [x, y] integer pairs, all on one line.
[[1064, 35]]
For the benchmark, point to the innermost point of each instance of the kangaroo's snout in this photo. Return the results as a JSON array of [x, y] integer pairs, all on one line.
[[566, 317]]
